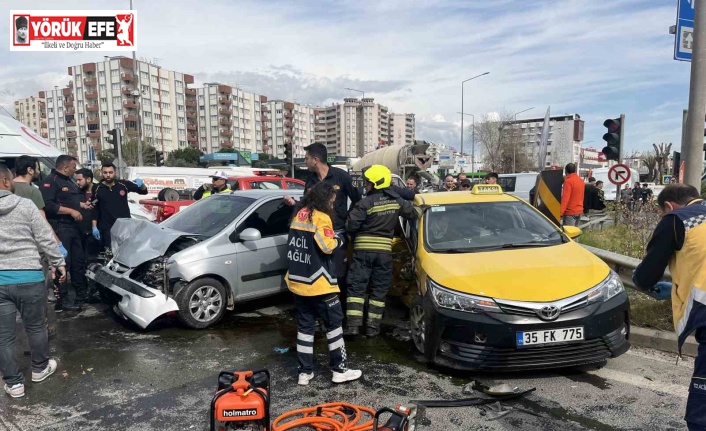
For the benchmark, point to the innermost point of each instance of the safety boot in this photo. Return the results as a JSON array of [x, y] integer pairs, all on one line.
[[372, 331], [351, 331]]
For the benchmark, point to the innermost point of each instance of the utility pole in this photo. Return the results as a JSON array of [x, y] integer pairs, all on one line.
[[693, 147], [119, 145], [136, 68]]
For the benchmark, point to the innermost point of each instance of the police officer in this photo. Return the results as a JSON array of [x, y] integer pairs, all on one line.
[[311, 278], [320, 171], [219, 184], [110, 199], [372, 221], [679, 240], [62, 205]]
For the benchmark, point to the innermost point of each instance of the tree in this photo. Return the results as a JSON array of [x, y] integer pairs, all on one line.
[[129, 153], [105, 156], [662, 152], [186, 158], [262, 161], [502, 144], [650, 161], [227, 150]]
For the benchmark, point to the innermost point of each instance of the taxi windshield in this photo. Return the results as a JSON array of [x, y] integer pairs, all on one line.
[[487, 226], [209, 216]]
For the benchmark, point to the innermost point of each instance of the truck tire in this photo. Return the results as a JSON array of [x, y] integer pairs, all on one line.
[[168, 194], [202, 303]]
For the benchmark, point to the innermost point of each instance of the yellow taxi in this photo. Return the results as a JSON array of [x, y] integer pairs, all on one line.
[[502, 287]]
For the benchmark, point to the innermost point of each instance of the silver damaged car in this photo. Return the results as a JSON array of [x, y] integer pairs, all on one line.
[[200, 262]]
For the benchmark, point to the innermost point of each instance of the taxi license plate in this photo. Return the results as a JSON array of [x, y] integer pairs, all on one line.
[[549, 336]]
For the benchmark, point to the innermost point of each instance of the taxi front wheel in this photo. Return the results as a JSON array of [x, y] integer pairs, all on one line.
[[421, 324]]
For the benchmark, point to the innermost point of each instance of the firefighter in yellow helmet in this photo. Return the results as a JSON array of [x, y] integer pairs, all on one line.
[[372, 222]]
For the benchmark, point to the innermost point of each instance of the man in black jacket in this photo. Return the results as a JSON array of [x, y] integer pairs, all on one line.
[[593, 199], [372, 221]]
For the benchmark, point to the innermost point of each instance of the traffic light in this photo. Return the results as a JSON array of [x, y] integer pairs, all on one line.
[[613, 139], [114, 139], [676, 159], [288, 156], [159, 158]]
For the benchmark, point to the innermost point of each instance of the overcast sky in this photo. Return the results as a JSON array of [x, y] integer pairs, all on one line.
[[593, 58]]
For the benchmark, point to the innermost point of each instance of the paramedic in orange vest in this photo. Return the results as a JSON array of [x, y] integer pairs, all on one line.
[[311, 246], [679, 240]]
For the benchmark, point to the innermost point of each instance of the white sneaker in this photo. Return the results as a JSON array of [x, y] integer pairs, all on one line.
[[347, 376], [304, 378], [48, 371], [15, 391]]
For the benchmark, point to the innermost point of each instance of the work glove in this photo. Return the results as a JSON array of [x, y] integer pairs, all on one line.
[[63, 250], [96, 233], [139, 183]]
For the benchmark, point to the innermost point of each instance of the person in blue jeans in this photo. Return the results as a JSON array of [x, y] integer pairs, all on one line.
[[24, 236]]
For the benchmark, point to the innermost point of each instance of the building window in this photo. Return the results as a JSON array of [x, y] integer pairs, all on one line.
[[117, 113], [115, 72]]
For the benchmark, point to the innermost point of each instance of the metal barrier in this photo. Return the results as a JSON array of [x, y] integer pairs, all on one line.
[[621, 264], [596, 222]]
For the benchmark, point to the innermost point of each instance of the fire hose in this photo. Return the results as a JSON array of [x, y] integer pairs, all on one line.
[[327, 417]]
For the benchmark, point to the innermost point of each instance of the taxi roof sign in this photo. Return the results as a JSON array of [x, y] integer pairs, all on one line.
[[487, 189]]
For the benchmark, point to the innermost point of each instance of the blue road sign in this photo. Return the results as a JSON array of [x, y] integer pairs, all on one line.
[[684, 38]]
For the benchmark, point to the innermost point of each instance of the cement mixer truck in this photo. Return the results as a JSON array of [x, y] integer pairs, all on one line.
[[403, 160]]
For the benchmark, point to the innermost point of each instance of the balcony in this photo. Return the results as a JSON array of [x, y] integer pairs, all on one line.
[[71, 134], [92, 107], [225, 101], [71, 144], [43, 115], [190, 104], [289, 141], [288, 106], [190, 114], [128, 91], [288, 133], [71, 123], [225, 89], [93, 134], [227, 144], [190, 92], [67, 91], [69, 100], [97, 147], [225, 111], [129, 117], [90, 82], [288, 115], [129, 105], [191, 126], [288, 124], [225, 122], [130, 131], [125, 76], [192, 138], [43, 124], [93, 120], [226, 132], [264, 108]]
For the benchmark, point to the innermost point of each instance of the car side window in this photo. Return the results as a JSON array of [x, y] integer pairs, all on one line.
[[294, 186], [265, 185], [271, 219], [507, 183], [235, 185]]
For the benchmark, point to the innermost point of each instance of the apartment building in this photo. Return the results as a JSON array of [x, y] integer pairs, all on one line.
[[290, 123], [403, 129], [359, 126], [32, 112], [231, 118], [137, 97], [564, 143]]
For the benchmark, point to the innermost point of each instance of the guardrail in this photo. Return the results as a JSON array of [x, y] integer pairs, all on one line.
[[621, 264]]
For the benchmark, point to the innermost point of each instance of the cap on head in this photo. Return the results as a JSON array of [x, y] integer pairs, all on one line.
[[21, 22], [220, 175]]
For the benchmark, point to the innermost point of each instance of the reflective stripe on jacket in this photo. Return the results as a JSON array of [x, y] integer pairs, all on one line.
[[688, 269], [310, 248], [208, 193]]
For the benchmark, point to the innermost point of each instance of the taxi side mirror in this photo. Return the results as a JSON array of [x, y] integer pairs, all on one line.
[[572, 232]]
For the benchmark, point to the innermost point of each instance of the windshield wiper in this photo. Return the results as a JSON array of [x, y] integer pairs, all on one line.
[[526, 245], [452, 250]]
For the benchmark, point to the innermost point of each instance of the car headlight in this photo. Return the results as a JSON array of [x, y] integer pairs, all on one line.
[[607, 288], [452, 300]]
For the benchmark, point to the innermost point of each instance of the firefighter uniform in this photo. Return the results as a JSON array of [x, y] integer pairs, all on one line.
[[372, 222], [312, 243], [58, 190], [679, 240], [111, 204]]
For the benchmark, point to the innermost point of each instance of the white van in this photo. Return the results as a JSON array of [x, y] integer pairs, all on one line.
[[518, 184], [601, 174], [16, 140]]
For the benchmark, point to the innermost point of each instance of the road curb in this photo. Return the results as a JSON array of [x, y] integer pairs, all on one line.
[[661, 340]]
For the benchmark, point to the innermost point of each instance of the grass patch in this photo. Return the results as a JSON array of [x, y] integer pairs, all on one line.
[[650, 313]]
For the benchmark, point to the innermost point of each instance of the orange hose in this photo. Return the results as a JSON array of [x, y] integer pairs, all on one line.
[[325, 421]]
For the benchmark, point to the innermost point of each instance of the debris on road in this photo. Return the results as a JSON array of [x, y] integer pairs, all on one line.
[[281, 350]]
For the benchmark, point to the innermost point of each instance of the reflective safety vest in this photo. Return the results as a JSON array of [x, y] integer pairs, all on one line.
[[688, 269], [310, 248], [207, 193]]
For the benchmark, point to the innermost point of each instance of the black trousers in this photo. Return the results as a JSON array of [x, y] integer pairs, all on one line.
[[328, 308], [368, 268], [105, 237], [72, 238], [696, 403]]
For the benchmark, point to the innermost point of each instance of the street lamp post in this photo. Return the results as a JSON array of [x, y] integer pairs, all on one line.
[[359, 91], [514, 144], [473, 139], [473, 148]]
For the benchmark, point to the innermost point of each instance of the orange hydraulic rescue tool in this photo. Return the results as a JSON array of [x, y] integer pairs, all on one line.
[[242, 401]]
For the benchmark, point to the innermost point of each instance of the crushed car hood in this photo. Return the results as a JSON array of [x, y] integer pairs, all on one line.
[[136, 241]]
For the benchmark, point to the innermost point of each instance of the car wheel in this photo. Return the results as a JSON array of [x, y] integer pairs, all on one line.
[[420, 325], [201, 303]]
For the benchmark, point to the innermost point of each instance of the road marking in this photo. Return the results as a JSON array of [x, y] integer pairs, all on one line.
[[641, 382]]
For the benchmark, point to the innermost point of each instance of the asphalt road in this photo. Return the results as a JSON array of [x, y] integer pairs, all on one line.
[[112, 376]]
